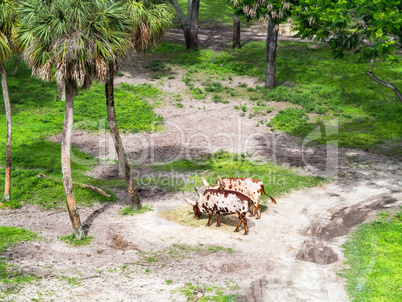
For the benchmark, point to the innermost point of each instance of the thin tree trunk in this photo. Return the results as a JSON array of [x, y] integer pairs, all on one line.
[[371, 75], [272, 42], [16, 64], [114, 131], [192, 24], [236, 32], [7, 185], [71, 89]]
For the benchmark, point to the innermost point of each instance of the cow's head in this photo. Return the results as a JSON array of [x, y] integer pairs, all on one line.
[[206, 184], [194, 204]]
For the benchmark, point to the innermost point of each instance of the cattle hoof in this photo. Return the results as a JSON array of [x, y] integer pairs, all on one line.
[[252, 215], [208, 224], [258, 217], [218, 225], [236, 230], [245, 233]]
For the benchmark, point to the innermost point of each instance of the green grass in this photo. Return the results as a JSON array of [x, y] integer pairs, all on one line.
[[373, 260], [212, 293], [128, 211], [277, 180], [11, 275], [37, 115], [369, 115], [212, 11], [71, 240]]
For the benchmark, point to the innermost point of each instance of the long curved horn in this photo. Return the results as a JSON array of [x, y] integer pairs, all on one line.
[[220, 181], [198, 192], [204, 181], [189, 201]]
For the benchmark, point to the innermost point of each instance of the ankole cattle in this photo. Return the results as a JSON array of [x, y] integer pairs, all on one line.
[[252, 188], [221, 201]]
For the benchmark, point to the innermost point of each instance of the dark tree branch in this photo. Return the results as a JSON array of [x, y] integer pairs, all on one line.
[[371, 75]]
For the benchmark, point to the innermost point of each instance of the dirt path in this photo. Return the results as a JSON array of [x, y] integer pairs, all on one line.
[[292, 254]]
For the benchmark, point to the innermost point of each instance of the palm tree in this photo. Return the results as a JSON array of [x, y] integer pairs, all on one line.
[[150, 17], [7, 22], [78, 39]]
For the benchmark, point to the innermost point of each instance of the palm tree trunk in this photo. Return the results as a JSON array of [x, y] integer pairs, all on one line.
[[71, 89], [272, 42], [114, 131], [7, 185], [236, 32], [16, 64]]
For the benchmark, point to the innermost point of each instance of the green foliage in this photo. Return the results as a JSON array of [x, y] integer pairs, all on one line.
[[128, 211], [348, 24], [277, 180], [71, 240], [9, 273], [373, 257]]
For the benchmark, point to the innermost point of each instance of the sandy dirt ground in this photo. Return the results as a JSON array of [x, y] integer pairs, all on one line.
[[293, 253]]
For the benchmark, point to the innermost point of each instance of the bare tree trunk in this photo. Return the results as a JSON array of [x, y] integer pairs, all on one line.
[[192, 24], [189, 23], [383, 83], [236, 32], [272, 42], [114, 131], [16, 64], [7, 185], [71, 90]]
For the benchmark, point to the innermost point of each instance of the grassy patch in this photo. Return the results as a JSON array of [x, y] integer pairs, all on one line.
[[373, 258], [277, 180], [369, 115], [49, 193], [211, 292], [71, 240], [10, 275], [212, 11], [128, 211]]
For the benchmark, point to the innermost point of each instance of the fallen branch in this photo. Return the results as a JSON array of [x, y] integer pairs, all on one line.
[[371, 75], [90, 187]]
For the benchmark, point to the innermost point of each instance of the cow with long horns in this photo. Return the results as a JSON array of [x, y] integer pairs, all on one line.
[[252, 188], [221, 201]]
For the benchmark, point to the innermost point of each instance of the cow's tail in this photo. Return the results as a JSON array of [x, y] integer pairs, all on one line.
[[272, 199]]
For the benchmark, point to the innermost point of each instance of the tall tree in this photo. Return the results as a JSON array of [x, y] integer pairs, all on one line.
[[272, 12], [150, 17], [349, 25], [7, 23], [69, 36], [189, 22]]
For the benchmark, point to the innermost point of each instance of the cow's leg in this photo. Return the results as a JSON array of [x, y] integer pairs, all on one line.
[[238, 225], [258, 211], [218, 221], [253, 212], [244, 219], [210, 216]]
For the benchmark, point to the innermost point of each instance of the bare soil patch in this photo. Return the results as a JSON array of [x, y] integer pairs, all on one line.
[[291, 254]]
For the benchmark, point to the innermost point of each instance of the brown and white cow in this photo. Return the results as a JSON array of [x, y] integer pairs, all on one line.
[[221, 201], [253, 188]]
